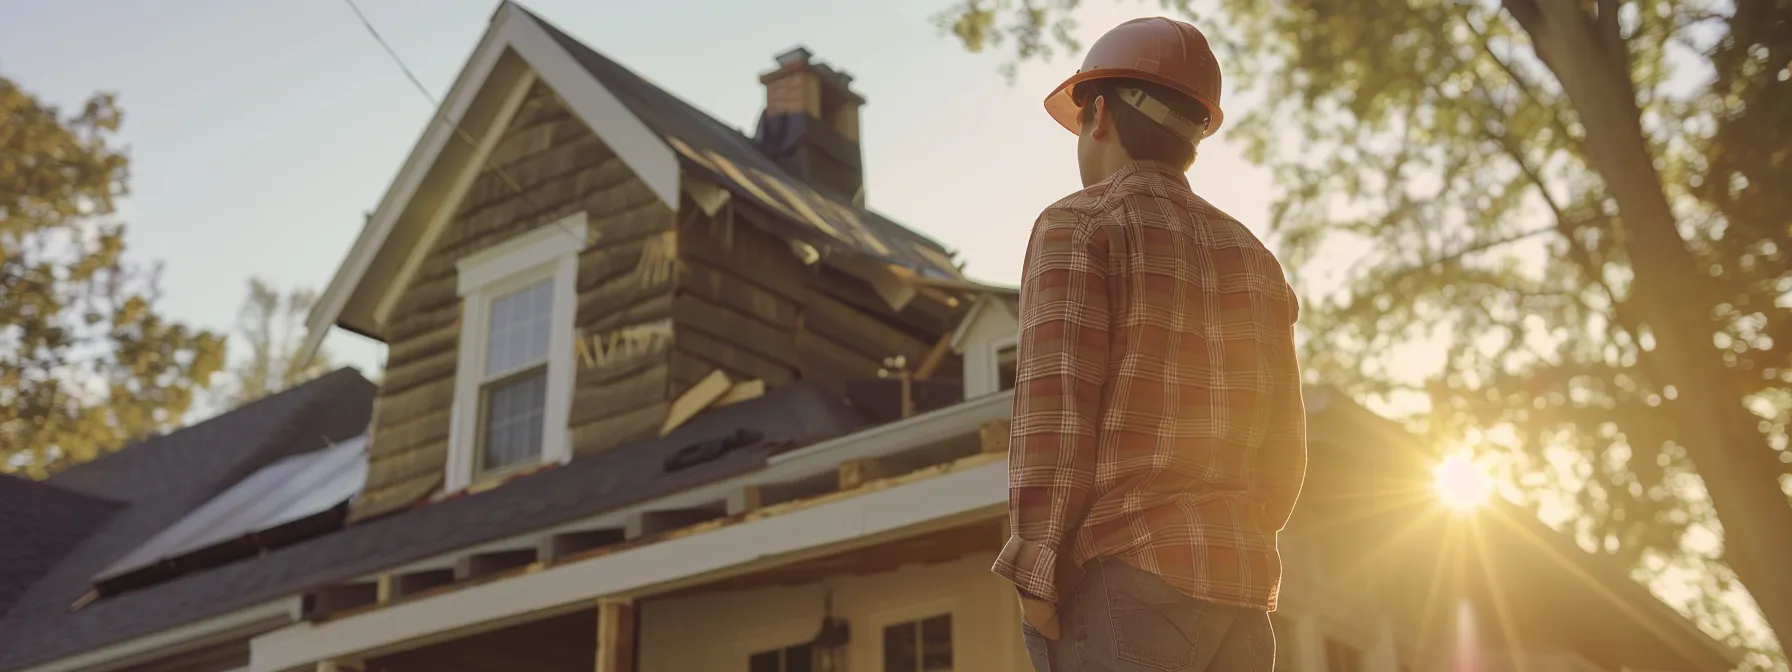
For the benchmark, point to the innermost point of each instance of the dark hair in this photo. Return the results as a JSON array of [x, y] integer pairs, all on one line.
[[1144, 139]]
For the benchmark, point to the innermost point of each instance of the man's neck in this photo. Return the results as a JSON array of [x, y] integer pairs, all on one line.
[[1157, 165]]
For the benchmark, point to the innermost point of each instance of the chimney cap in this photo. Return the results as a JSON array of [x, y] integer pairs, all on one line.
[[799, 59], [795, 56]]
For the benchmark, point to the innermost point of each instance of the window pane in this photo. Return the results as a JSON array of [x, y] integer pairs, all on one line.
[[901, 651], [763, 662], [513, 420], [936, 644], [1005, 368], [518, 333], [799, 658]]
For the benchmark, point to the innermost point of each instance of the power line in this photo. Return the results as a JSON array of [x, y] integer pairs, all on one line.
[[441, 116], [394, 54]]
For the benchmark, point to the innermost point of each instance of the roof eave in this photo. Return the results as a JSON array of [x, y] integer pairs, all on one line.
[[249, 621]]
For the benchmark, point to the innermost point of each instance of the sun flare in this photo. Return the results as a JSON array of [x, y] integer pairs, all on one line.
[[1461, 484]]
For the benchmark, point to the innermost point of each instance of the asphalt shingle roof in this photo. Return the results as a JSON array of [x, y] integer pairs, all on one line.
[[796, 414], [40, 524], [155, 483]]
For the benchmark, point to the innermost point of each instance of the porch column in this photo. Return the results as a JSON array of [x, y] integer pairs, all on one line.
[[615, 635]]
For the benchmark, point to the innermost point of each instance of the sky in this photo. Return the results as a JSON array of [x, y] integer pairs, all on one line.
[[261, 133]]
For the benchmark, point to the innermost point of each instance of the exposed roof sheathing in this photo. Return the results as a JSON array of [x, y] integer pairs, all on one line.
[[721, 153]]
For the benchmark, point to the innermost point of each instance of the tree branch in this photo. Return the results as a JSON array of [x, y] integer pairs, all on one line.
[[1568, 227], [1611, 34], [1624, 317], [1526, 12], [1525, 86], [1474, 248]]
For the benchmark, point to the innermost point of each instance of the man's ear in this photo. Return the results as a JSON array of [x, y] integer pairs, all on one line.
[[1100, 123]]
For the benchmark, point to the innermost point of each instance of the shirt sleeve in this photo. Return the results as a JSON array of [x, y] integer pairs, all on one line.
[[1283, 466], [1062, 359]]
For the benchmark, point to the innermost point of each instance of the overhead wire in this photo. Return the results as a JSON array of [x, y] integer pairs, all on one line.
[[441, 115]]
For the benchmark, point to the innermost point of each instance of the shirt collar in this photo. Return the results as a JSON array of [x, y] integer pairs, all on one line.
[[1153, 168]]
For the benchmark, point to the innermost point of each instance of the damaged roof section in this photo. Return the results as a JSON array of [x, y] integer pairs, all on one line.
[[714, 150]]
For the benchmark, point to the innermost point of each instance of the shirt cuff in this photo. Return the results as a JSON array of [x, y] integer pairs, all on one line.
[[1035, 569]]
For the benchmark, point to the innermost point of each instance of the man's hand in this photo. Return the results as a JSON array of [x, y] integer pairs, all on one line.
[[1042, 615]]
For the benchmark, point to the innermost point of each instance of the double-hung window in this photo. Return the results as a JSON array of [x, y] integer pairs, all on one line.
[[795, 658], [513, 387], [921, 645]]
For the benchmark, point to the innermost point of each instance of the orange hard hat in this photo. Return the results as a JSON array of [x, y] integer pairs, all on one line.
[[1157, 50]]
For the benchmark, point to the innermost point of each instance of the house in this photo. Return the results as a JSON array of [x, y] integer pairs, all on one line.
[[664, 397]]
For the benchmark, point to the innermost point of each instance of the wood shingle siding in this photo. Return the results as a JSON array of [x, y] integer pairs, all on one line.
[[659, 306], [748, 306], [562, 168]]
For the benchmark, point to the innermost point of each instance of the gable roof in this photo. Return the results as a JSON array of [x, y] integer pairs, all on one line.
[[155, 483], [41, 523], [658, 136]]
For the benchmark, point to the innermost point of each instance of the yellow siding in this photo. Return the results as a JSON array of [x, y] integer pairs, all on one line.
[[718, 631]]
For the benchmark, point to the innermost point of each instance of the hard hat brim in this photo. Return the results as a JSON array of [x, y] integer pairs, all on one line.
[[1063, 108]]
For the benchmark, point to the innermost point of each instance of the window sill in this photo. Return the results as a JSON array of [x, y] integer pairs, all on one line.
[[491, 480]]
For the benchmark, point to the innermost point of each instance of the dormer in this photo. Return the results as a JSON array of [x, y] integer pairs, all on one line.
[[587, 261], [987, 341]]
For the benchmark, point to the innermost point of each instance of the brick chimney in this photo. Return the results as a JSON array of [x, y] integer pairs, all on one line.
[[811, 124]]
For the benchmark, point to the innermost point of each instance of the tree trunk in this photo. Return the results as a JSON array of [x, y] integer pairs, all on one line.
[[1670, 290]]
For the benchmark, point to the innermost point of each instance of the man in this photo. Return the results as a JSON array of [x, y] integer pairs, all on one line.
[[1159, 438]]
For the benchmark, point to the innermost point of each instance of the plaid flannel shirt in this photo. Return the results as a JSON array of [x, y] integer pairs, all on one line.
[[1157, 405]]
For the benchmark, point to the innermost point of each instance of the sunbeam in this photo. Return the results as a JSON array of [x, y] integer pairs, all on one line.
[[1461, 484]]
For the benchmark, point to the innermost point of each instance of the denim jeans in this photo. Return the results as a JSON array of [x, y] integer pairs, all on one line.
[[1124, 619]]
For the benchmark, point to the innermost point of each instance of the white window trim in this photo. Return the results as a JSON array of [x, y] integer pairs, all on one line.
[[995, 360], [548, 251], [916, 611], [776, 637]]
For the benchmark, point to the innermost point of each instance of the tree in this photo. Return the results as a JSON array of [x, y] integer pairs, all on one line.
[[86, 363], [271, 326], [1573, 201]]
